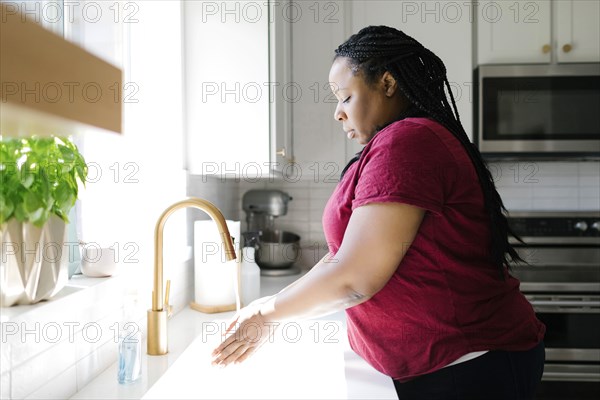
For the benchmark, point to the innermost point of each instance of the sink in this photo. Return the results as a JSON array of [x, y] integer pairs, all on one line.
[[304, 360]]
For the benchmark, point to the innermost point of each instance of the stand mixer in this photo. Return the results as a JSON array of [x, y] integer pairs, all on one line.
[[276, 250]]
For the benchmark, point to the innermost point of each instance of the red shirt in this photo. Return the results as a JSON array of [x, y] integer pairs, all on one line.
[[445, 299]]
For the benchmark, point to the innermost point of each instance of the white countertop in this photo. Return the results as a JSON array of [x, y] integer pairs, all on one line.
[[362, 381]]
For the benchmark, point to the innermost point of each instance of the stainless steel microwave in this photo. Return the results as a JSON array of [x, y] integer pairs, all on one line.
[[542, 110]]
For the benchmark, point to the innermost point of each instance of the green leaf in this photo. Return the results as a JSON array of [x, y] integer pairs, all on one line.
[[6, 209], [33, 203], [67, 154], [20, 213], [27, 178], [81, 170], [65, 199]]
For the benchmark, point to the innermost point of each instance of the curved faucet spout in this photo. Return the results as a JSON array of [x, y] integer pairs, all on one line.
[[157, 316]]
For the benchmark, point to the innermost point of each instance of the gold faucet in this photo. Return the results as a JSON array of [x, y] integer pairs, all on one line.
[[158, 315]]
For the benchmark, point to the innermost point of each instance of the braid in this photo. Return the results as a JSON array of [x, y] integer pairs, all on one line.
[[421, 77]]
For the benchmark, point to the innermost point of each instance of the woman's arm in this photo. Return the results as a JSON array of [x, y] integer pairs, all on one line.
[[266, 298], [377, 237]]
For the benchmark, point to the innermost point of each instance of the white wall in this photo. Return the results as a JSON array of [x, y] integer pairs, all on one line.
[[135, 176]]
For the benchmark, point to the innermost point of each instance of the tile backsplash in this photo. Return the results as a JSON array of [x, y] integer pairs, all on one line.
[[304, 210], [548, 186], [524, 186]]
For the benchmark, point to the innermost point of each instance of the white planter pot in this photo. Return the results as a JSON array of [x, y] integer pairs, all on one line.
[[34, 263]]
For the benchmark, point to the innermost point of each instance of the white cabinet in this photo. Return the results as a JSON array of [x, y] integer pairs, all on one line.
[[239, 91], [442, 27], [524, 31], [233, 137], [514, 32], [319, 143], [320, 146], [577, 30], [227, 89]]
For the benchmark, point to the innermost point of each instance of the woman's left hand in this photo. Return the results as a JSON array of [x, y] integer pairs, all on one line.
[[249, 331]]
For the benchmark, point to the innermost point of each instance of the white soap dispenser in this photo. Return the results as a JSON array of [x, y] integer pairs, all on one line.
[[250, 276]]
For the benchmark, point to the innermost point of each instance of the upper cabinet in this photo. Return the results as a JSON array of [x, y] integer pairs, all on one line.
[[257, 88], [514, 32], [443, 27], [577, 31], [257, 92], [227, 88], [320, 147], [319, 142], [49, 85], [541, 31]]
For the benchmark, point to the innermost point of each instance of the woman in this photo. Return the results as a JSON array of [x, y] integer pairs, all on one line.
[[418, 241]]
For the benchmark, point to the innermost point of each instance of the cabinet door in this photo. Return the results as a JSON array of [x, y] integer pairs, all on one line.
[[280, 85], [513, 31], [578, 31], [226, 48], [442, 27], [319, 141]]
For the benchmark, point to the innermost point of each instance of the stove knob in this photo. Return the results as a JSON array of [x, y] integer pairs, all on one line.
[[581, 226], [596, 226]]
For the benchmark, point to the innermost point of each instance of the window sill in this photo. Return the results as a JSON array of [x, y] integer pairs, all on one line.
[[79, 290], [83, 293]]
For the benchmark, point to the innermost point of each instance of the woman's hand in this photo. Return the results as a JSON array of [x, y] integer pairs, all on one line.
[[248, 332]]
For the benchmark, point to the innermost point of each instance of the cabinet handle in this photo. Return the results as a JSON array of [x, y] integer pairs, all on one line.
[[546, 49], [281, 152], [567, 48]]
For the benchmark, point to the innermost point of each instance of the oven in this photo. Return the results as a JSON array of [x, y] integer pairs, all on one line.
[[562, 282]]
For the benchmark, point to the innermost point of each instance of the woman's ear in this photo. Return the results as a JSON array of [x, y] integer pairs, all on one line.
[[389, 84]]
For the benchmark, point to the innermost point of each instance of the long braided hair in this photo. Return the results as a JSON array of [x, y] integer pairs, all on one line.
[[421, 77]]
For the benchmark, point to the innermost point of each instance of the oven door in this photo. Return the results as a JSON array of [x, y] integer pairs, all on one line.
[[572, 335], [562, 282]]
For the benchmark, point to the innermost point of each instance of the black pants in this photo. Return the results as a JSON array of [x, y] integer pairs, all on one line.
[[496, 375]]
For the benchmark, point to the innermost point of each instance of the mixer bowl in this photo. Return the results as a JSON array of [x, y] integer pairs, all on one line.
[[277, 249]]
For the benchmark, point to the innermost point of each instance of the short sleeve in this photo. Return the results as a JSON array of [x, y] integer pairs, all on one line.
[[402, 164]]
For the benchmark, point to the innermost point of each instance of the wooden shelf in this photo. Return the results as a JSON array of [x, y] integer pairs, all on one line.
[[51, 86]]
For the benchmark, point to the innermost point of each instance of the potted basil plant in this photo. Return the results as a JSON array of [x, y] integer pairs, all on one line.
[[40, 179]]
